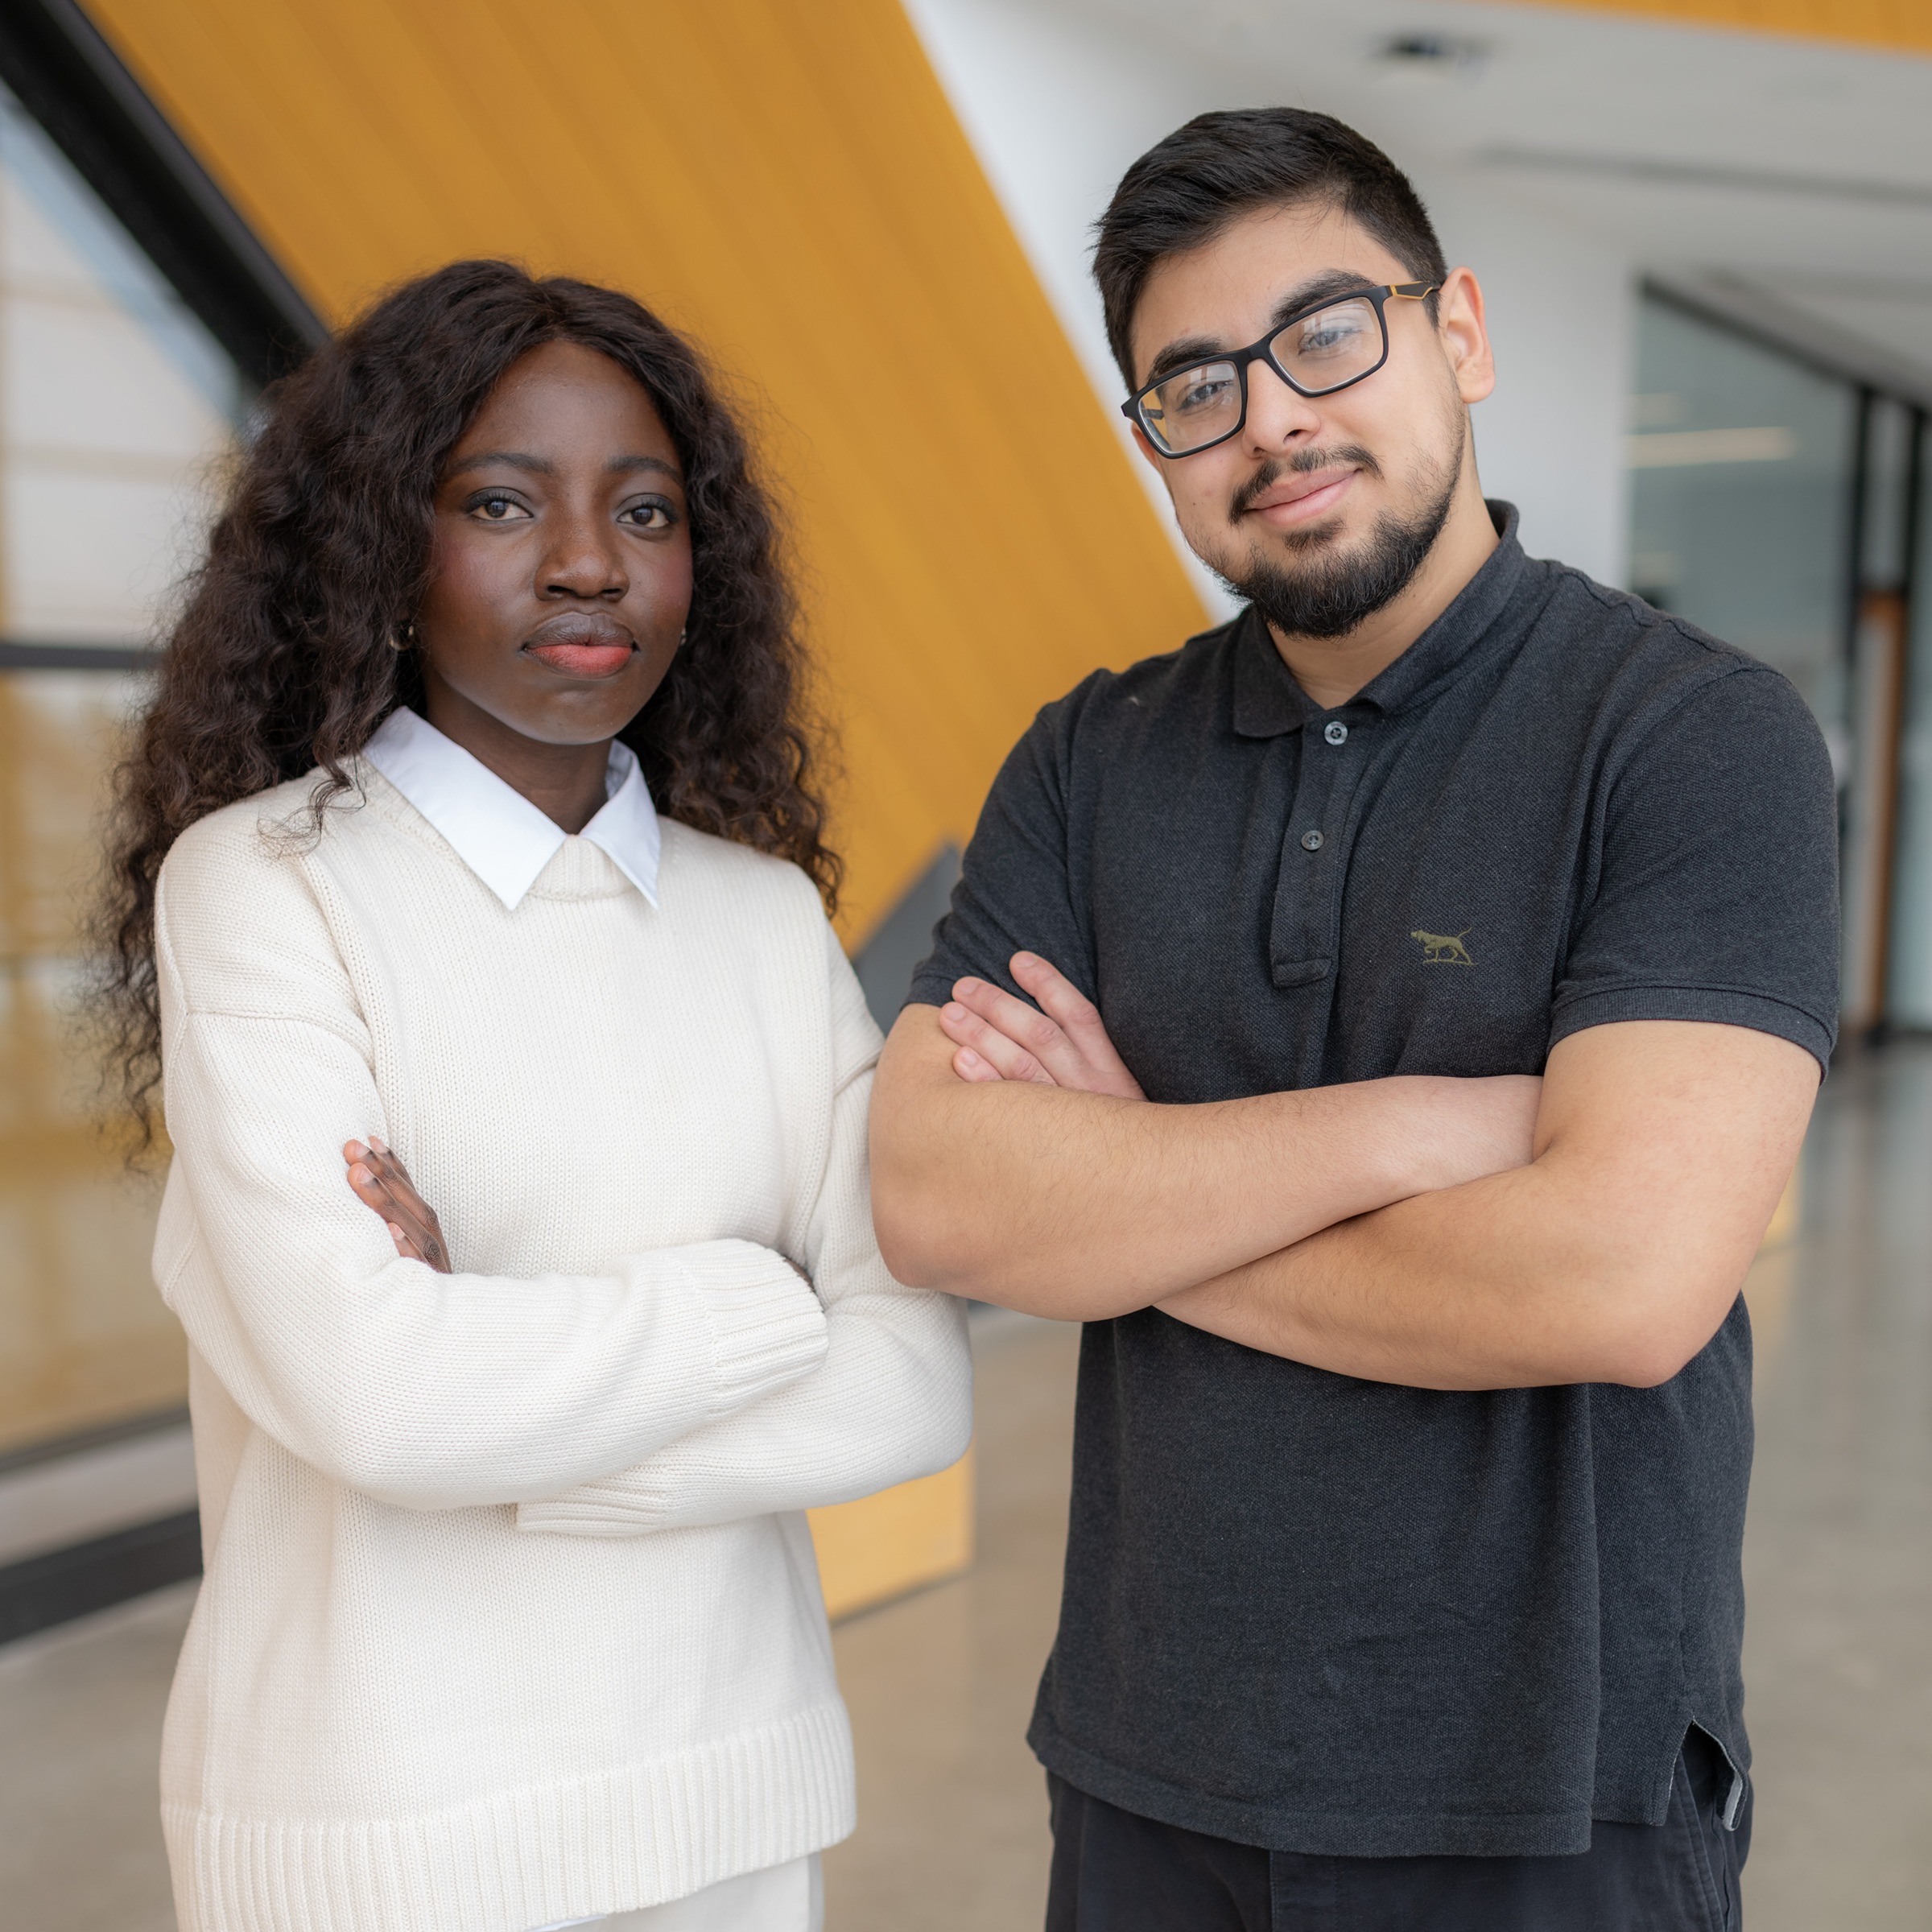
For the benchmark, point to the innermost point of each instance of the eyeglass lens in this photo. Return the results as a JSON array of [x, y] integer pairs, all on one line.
[[1321, 352]]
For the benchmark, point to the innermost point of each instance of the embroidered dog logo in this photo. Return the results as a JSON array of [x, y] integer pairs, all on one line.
[[1445, 948]]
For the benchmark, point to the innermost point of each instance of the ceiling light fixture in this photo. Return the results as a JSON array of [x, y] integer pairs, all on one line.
[[1428, 52]]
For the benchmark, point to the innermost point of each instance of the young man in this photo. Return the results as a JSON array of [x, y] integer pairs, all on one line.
[[1388, 1022]]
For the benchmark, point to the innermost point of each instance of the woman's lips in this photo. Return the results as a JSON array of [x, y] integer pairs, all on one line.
[[584, 660]]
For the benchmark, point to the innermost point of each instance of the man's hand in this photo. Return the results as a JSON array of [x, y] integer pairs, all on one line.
[[1015, 1158], [380, 1181], [1476, 1127], [1061, 1043]]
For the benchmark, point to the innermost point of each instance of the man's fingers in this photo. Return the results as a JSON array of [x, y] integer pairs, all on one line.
[[1056, 993], [1028, 1027], [1089, 1059], [968, 1066], [1067, 1005], [1007, 1057]]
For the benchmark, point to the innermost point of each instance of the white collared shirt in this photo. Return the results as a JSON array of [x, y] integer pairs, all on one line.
[[493, 828]]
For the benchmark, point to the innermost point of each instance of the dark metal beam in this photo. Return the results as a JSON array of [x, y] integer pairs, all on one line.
[[24, 653], [68, 78]]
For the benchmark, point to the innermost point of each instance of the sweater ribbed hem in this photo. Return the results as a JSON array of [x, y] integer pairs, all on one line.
[[768, 1327], [516, 1859]]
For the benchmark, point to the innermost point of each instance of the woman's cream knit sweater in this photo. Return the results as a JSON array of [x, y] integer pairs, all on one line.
[[510, 1614]]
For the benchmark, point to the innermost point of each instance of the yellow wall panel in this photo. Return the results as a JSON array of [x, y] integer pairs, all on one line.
[[1905, 24], [789, 183], [883, 1546]]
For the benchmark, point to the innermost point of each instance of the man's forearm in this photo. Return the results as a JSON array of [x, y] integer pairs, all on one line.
[[1082, 1206], [1613, 1256], [1494, 1284]]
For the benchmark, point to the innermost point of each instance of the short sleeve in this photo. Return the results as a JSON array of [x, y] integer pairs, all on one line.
[[1714, 893], [1017, 892]]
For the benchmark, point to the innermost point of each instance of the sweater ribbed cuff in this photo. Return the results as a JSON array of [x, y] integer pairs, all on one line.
[[768, 1327]]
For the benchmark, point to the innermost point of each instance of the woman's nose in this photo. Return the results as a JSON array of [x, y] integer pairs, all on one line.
[[584, 560]]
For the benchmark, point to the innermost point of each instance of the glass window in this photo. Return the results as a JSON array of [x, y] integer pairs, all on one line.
[[1909, 994], [117, 408], [1741, 493]]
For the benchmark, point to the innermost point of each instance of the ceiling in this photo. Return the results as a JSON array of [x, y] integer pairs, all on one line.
[[1788, 179]]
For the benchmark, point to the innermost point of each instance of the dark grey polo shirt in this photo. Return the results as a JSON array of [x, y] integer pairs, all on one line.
[[1324, 1614]]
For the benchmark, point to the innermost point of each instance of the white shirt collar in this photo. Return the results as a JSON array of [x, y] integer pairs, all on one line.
[[493, 828]]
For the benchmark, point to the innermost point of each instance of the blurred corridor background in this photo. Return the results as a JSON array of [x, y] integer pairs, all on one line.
[[1705, 230]]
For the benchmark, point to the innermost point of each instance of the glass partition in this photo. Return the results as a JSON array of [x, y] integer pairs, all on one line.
[[116, 409], [1754, 476], [1741, 465], [1909, 1002]]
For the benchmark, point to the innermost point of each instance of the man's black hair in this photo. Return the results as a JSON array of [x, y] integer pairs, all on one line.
[[1185, 189]]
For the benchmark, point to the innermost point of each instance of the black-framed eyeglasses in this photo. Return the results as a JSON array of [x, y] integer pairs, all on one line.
[[1321, 348]]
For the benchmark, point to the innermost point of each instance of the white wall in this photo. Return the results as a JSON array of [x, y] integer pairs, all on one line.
[[1562, 318], [1056, 111], [1058, 105]]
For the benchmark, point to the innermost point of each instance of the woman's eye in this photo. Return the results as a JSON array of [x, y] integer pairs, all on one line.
[[496, 509], [653, 515]]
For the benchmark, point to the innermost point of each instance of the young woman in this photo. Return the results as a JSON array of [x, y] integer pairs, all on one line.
[[472, 819]]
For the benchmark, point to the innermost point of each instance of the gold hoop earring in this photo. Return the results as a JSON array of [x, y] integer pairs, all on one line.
[[409, 638], [682, 635]]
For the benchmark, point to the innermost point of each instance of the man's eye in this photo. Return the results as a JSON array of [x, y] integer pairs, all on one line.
[[1328, 337], [1207, 392]]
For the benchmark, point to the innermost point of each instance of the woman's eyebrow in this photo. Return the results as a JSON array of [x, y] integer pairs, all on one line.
[[542, 466], [509, 459]]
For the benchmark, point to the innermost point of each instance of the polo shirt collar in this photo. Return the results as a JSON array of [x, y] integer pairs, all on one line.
[[493, 828], [1269, 701]]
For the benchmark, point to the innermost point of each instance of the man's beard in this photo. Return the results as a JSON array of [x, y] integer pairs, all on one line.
[[1333, 594]]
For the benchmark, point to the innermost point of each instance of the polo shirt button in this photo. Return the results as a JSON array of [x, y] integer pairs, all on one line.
[[1311, 841], [1336, 732]]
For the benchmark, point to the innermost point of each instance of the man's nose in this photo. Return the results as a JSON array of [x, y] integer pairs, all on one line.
[[1277, 416]]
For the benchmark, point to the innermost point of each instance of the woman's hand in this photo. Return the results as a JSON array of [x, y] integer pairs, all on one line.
[[381, 1182]]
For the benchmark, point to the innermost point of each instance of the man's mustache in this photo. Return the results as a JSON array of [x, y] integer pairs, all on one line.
[[1271, 472]]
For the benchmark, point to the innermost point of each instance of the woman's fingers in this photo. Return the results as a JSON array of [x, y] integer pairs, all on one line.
[[371, 1191], [381, 1183], [395, 1177]]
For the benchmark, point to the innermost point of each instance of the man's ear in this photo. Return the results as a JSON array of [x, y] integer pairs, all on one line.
[[1465, 335], [1149, 454]]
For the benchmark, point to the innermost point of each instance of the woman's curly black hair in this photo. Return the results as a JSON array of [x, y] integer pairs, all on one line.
[[281, 662]]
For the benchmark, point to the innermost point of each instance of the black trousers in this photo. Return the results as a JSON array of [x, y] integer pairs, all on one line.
[[1113, 1872]]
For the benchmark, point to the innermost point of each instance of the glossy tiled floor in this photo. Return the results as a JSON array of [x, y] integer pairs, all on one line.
[[952, 1837], [1837, 1554]]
